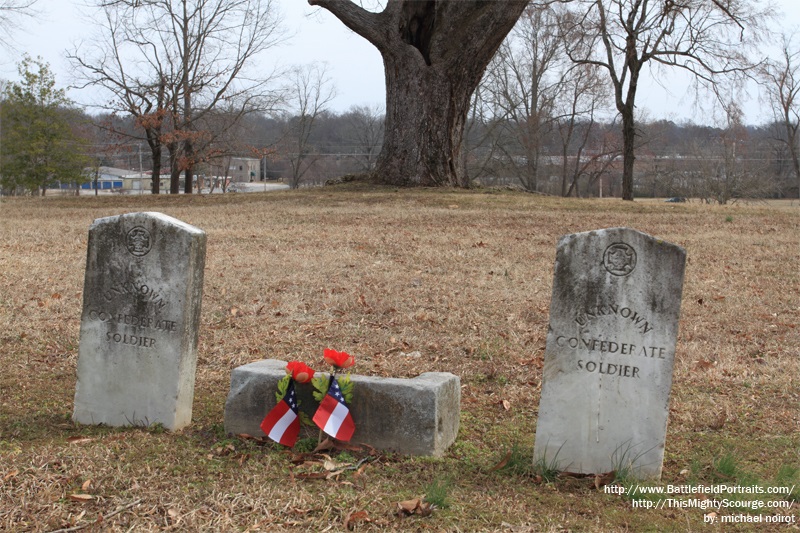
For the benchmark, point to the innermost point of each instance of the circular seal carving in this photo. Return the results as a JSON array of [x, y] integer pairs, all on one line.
[[138, 241], [619, 259]]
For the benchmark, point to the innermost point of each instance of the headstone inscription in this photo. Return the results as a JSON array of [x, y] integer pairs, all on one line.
[[139, 326], [610, 352]]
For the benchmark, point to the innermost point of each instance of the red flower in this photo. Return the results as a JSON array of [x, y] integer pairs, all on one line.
[[300, 372], [338, 359]]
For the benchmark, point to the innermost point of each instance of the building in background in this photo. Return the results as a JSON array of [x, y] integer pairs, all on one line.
[[244, 169]]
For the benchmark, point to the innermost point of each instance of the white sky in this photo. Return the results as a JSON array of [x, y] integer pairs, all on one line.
[[355, 66]]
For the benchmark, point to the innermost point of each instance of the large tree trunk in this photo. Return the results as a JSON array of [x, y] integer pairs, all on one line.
[[434, 54], [174, 168], [154, 142], [425, 115], [189, 173], [626, 110], [155, 178], [628, 151]]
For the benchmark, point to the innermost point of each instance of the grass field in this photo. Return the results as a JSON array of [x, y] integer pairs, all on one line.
[[463, 277]]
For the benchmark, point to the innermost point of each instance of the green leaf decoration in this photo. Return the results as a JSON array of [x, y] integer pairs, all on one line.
[[283, 386], [305, 419], [347, 387], [321, 383]]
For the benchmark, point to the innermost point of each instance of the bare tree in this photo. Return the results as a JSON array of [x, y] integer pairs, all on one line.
[[11, 11], [216, 40], [707, 38], [542, 106], [311, 91], [136, 77], [522, 84], [587, 149], [173, 63], [781, 78], [728, 168], [365, 133], [479, 145], [225, 142], [434, 54]]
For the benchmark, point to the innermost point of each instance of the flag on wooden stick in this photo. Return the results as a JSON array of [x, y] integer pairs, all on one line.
[[282, 423], [333, 416]]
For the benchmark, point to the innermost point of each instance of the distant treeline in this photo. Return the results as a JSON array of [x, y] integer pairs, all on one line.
[[673, 159]]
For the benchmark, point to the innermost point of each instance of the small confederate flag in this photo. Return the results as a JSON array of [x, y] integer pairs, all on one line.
[[333, 416], [282, 424]]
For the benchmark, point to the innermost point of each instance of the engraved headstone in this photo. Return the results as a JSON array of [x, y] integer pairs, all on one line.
[[139, 326], [610, 352]]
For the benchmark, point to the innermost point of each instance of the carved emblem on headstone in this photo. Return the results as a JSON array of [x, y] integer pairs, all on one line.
[[138, 241], [620, 259]]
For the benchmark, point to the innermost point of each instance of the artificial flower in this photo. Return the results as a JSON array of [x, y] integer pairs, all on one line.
[[338, 359], [300, 372]]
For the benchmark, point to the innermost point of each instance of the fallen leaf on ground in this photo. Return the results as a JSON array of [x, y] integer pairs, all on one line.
[[331, 465], [416, 506], [601, 480], [245, 436], [576, 475], [327, 444], [335, 473], [360, 470], [79, 440], [719, 421], [502, 464], [704, 365], [332, 444], [311, 475], [409, 506], [81, 497], [353, 518]]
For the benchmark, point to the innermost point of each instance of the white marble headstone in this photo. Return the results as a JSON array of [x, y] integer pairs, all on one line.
[[139, 326], [610, 352]]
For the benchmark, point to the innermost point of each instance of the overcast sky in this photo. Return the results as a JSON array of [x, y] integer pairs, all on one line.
[[355, 66]]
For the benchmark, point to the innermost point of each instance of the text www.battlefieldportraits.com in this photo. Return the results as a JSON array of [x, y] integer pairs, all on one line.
[[723, 504]]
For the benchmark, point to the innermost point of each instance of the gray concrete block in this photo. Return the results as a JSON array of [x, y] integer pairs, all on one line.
[[417, 416]]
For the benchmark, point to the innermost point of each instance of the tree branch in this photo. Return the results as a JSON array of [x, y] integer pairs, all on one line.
[[355, 17]]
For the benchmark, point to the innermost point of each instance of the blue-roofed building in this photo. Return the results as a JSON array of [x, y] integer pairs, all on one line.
[[109, 179]]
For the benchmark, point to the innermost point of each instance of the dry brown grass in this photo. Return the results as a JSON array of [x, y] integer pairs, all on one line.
[[462, 277]]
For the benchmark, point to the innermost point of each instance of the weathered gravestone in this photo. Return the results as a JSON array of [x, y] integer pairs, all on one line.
[[610, 352], [139, 326]]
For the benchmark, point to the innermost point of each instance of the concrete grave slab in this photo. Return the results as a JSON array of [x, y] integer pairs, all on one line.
[[610, 353], [139, 325], [418, 416]]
